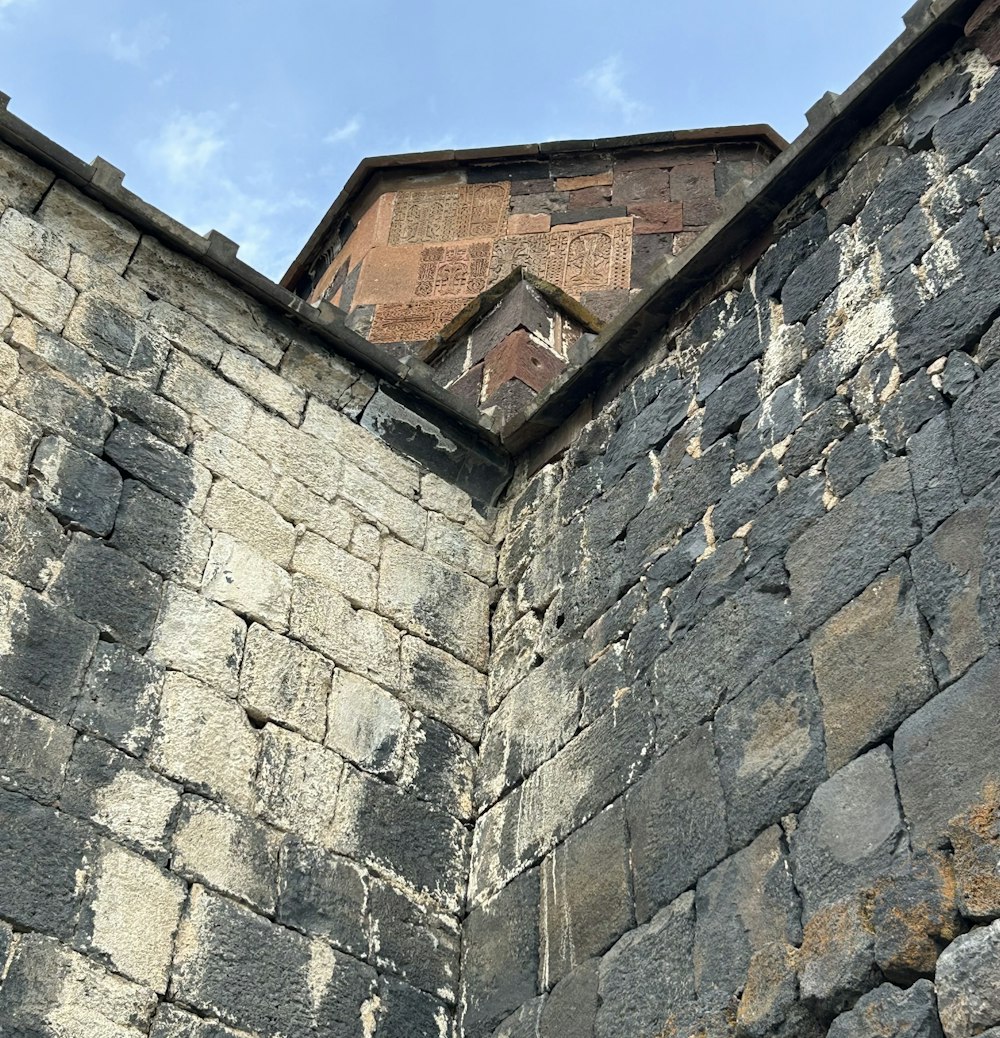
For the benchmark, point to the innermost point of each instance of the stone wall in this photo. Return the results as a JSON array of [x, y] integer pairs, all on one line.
[[242, 659], [739, 775]]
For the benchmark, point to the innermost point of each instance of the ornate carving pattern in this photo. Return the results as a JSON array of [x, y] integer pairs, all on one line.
[[530, 251], [449, 214], [412, 322], [458, 270]]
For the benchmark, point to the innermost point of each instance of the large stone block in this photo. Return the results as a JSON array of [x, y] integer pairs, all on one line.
[[231, 852], [234, 461], [34, 752], [366, 725], [77, 487], [51, 990], [171, 1022], [968, 983], [872, 667], [200, 638], [117, 339], [195, 389], [32, 541], [443, 687], [404, 1012], [975, 838], [239, 578], [844, 551], [500, 956], [18, 438], [836, 963], [252, 974], [571, 1008], [676, 822], [283, 681], [648, 975], [742, 906], [249, 519], [88, 226], [435, 602], [888, 1012], [43, 245], [23, 183], [349, 576], [948, 737], [586, 895], [161, 466], [934, 470], [439, 767], [260, 382], [33, 289], [850, 835], [769, 743]]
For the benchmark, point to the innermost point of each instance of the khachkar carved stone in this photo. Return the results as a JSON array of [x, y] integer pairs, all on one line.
[[413, 322], [454, 271], [450, 214]]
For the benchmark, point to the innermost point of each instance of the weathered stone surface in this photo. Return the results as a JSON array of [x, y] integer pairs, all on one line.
[[934, 470], [500, 955], [250, 973], [648, 974], [234, 853], [434, 602], [570, 1011], [171, 1022], [586, 897], [33, 289], [34, 752], [204, 741], [872, 668], [438, 767], [52, 990], [836, 962], [87, 226], [742, 906], [444, 687], [402, 1011], [968, 983], [240, 579], [281, 680], [114, 791], [162, 467], [106, 588], [769, 743], [323, 894], [250, 520], [769, 1002], [677, 822], [888, 1012], [850, 834], [259, 381], [845, 550], [200, 638], [77, 487], [349, 576], [365, 724], [31, 539], [947, 737], [975, 838]]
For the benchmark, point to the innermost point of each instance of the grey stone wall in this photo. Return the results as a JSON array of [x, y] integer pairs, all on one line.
[[242, 660], [740, 770]]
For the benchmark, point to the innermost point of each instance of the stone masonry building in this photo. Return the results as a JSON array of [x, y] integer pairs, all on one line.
[[568, 607]]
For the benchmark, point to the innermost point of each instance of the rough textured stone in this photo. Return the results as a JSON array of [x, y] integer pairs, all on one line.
[[240, 579], [648, 974], [570, 1011], [162, 467], [836, 962], [171, 1022], [872, 668], [77, 487], [248, 519], [975, 838], [444, 687], [349, 576], [934, 470], [34, 752], [968, 983], [888, 1012], [677, 822]]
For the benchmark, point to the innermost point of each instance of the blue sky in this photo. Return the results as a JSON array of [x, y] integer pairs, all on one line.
[[249, 116]]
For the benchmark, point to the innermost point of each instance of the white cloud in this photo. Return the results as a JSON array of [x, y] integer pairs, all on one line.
[[187, 144], [345, 133], [135, 46], [606, 82]]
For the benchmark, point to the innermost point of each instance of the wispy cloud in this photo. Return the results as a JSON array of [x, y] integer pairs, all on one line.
[[345, 133], [606, 81], [134, 45], [14, 3], [187, 144]]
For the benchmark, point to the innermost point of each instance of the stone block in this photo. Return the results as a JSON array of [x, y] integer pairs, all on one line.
[[404, 1011], [528, 223], [390, 831], [160, 534], [41, 244], [230, 852], [948, 574], [349, 576], [412, 942], [963, 132], [812, 280], [500, 956], [42, 853], [769, 1002], [676, 822], [294, 454], [297, 784], [586, 895], [122, 796], [648, 974], [120, 341], [443, 687], [968, 983], [726, 408], [32, 541], [252, 974], [120, 698], [106, 588], [657, 217], [323, 894], [571, 1008], [435, 602], [872, 667], [317, 371], [18, 439], [365, 724], [77, 487], [88, 226], [23, 183], [200, 638], [193, 388], [975, 838], [234, 461], [948, 737], [854, 459], [34, 752], [240, 579], [260, 382], [769, 743], [381, 504], [51, 989], [845, 550], [171, 1022], [245, 517], [334, 522], [33, 289], [836, 962], [205, 742], [136, 403], [185, 332], [157, 464], [850, 835], [461, 549], [283, 681], [742, 906], [439, 766], [888, 1012], [138, 944]]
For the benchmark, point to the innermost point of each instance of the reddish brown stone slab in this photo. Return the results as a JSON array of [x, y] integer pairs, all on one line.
[[666, 158], [983, 28], [389, 274], [657, 217], [578, 183], [528, 223], [700, 212], [412, 322], [450, 214], [458, 270], [589, 198], [641, 185], [693, 180], [372, 230], [518, 356]]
